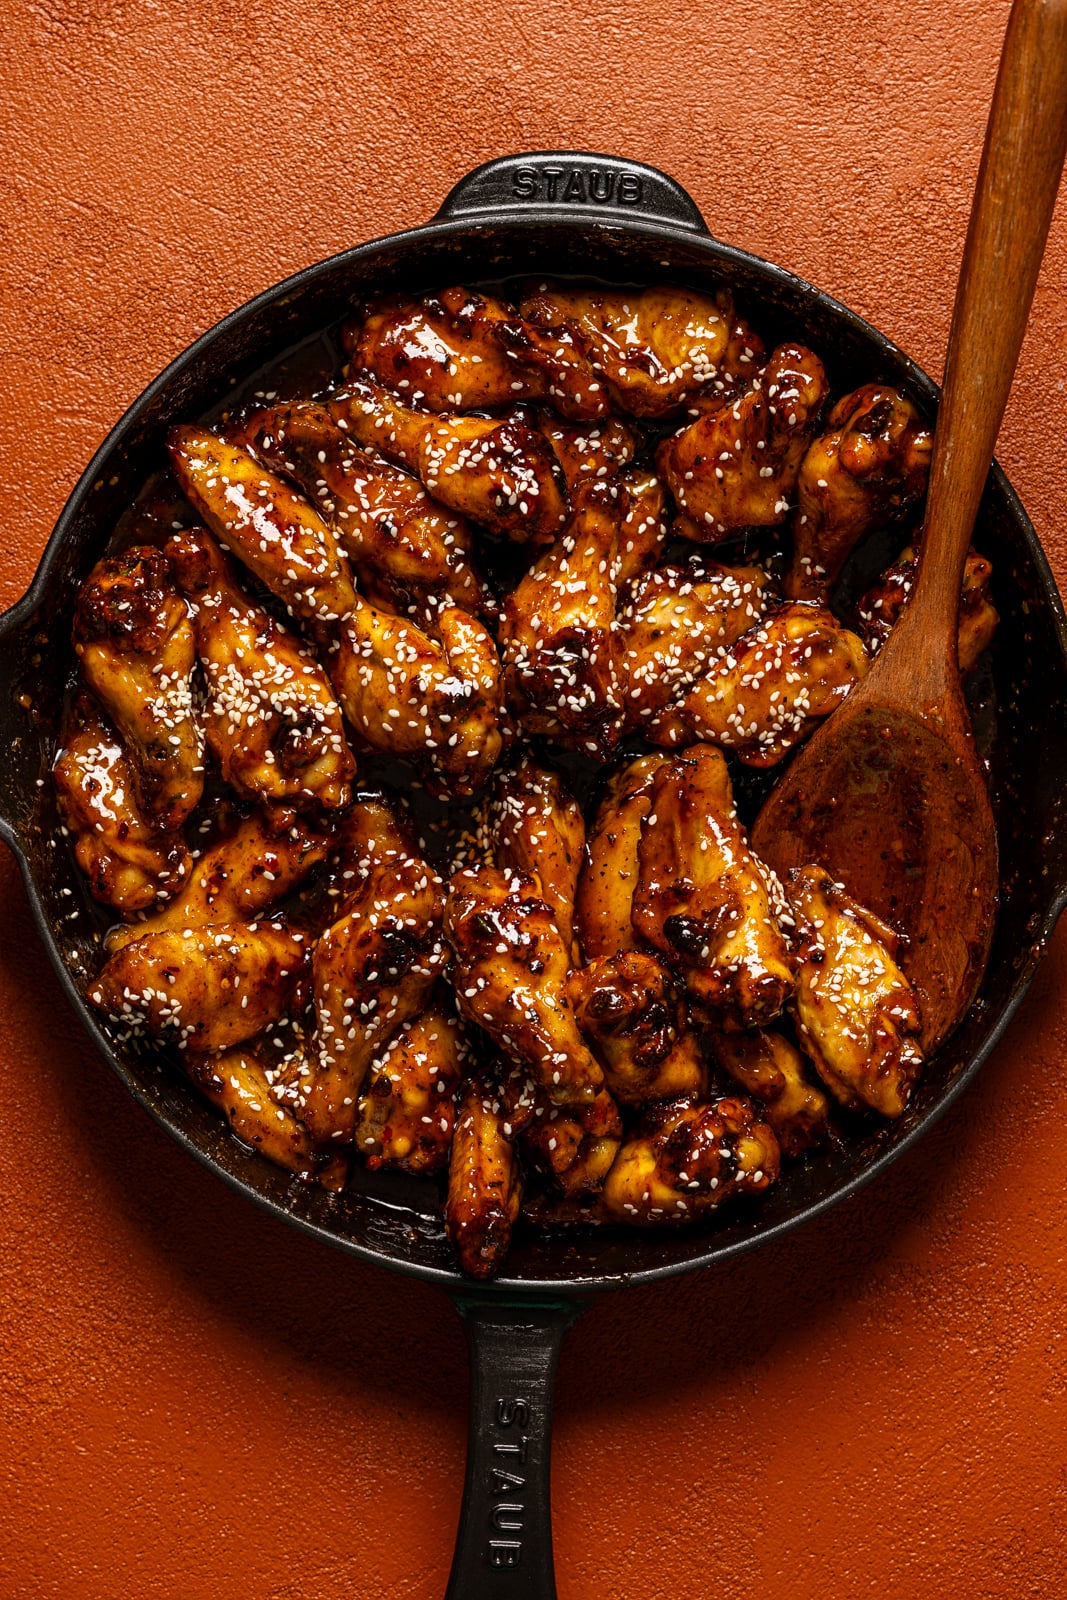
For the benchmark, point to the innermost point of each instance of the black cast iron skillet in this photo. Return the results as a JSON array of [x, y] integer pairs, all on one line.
[[622, 222]]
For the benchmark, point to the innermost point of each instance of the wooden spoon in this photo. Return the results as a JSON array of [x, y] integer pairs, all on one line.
[[890, 795]]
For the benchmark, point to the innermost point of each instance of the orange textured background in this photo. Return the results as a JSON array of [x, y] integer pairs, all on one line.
[[198, 1402]]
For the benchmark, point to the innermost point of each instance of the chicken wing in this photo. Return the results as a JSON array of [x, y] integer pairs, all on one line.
[[643, 525], [608, 877], [654, 348], [239, 877], [686, 1159], [856, 1013], [629, 1010], [703, 899], [882, 605], [410, 695], [407, 1109], [264, 522], [537, 829], [271, 717], [372, 970], [237, 1083], [471, 351], [589, 449], [502, 473], [129, 862], [675, 625], [574, 1146], [557, 632], [204, 988], [135, 643], [771, 1071], [771, 688], [484, 1182], [737, 466], [866, 469], [410, 555], [511, 978]]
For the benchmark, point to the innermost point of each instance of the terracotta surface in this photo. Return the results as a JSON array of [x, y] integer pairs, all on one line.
[[198, 1402]]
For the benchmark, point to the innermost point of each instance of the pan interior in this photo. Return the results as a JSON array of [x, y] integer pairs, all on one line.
[[281, 341]]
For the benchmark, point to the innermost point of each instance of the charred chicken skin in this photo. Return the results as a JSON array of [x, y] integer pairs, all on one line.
[[409, 554], [271, 717], [629, 1009], [511, 979], [135, 644], [703, 899], [736, 466], [856, 1012], [129, 861], [865, 470], [467, 351], [262, 520], [686, 1159], [501, 473]]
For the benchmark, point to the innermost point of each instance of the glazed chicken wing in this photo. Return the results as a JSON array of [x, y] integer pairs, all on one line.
[[135, 643], [643, 525], [410, 555], [882, 605], [629, 1010], [239, 877], [867, 468], [203, 988], [557, 632], [686, 1159], [271, 717], [770, 689], [573, 1146], [606, 883], [471, 351], [484, 1182], [129, 862], [511, 978], [589, 449], [654, 348], [409, 695], [264, 522], [407, 1108], [372, 970], [500, 472], [675, 625], [856, 1013], [236, 1081], [537, 829], [771, 1071], [737, 466], [703, 899]]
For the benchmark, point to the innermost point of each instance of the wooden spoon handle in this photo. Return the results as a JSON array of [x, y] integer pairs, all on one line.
[[1017, 182]]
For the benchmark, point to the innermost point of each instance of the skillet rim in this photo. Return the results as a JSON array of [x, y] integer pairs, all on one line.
[[465, 225]]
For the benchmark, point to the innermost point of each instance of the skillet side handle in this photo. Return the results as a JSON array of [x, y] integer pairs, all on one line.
[[504, 1541], [569, 181]]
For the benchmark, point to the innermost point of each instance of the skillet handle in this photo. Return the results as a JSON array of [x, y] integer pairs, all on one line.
[[504, 1541], [573, 183]]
